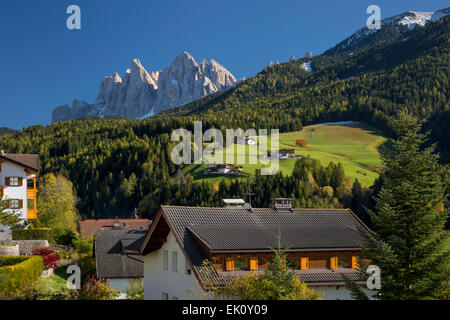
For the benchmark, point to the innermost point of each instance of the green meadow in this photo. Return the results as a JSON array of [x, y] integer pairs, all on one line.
[[354, 145]]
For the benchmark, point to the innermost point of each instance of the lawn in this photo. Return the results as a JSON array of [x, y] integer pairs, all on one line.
[[53, 287], [355, 145]]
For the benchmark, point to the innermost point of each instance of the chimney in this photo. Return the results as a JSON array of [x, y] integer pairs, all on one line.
[[116, 223], [234, 203], [282, 204]]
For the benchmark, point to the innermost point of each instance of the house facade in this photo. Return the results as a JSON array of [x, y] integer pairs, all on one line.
[[18, 176], [322, 248], [117, 258]]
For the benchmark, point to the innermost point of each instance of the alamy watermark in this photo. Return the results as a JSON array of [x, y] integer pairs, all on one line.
[[374, 21], [190, 149], [73, 22]]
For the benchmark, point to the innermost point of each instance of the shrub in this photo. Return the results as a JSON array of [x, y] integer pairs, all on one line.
[[135, 290], [49, 256], [33, 234], [84, 246], [64, 236], [87, 265], [301, 143], [94, 289], [17, 274]]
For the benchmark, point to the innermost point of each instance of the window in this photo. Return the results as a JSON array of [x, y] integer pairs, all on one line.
[[174, 261], [240, 264], [13, 181], [15, 204], [166, 260], [343, 262], [165, 296]]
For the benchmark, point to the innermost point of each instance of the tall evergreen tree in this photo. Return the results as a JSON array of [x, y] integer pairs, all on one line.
[[409, 217]]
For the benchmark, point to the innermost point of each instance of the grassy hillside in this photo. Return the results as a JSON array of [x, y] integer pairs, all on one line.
[[354, 145]]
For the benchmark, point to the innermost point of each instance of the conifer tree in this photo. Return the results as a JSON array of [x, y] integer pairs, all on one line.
[[408, 242]]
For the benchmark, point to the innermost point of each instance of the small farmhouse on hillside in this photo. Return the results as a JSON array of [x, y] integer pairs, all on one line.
[[322, 245], [117, 258]]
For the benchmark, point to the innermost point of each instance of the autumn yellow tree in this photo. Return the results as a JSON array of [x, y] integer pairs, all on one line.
[[56, 204]]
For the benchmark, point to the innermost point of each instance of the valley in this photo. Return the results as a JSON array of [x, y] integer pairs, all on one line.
[[355, 145]]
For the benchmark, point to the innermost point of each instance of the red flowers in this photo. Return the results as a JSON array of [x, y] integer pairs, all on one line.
[[49, 256]]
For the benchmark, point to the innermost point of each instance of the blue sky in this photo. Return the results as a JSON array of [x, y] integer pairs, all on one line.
[[44, 65]]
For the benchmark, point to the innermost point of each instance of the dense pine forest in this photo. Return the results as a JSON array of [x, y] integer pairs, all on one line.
[[119, 165]]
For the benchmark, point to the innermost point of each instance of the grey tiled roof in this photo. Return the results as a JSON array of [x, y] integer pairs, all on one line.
[[237, 229], [111, 260]]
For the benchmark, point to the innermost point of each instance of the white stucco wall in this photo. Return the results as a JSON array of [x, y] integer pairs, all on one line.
[[120, 284], [175, 284], [337, 292], [10, 169]]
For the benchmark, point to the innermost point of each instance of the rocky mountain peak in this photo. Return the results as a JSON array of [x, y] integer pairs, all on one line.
[[139, 93]]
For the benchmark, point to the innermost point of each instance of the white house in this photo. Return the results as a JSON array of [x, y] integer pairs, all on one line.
[[117, 257], [236, 240], [18, 175]]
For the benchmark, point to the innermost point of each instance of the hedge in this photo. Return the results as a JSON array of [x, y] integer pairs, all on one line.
[[18, 274], [33, 234]]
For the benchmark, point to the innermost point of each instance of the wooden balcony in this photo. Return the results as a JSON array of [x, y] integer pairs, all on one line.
[[31, 193], [32, 214]]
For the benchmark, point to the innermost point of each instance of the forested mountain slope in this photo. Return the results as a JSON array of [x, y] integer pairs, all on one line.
[[368, 85], [118, 165]]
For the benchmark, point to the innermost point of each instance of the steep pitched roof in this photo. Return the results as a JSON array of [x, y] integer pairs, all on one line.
[[30, 161], [116, 253], [201, 232]]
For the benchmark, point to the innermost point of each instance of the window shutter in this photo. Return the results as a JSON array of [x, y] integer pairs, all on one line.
[[7, 181], [229, 265], [254, 264], [20, 203], [304, 263], [8, 203], [20, 181], [333, 262], [355, 262]]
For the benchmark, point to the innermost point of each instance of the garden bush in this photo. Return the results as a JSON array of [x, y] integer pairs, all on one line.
[[94, 289], [64, 236], [84, 246], [17, 274], [49, 256], [33, 234], [87, 265]]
